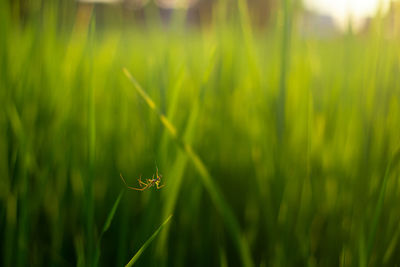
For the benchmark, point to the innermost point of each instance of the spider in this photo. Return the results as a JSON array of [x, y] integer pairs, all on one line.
[[149, 182]]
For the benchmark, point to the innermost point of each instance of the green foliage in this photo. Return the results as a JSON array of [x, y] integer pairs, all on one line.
[[275, 149], [207, 180]]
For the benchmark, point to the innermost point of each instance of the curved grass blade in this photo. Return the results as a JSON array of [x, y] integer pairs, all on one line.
[[215, 194], [147, 243], [107, 226], [112, 213]]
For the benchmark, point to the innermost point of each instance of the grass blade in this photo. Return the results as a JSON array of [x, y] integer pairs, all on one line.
[[107, 226], [147, 243], [215, 194], [112, 213]]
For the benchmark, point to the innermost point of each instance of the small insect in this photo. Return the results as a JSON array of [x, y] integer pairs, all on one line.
[[149, 182]]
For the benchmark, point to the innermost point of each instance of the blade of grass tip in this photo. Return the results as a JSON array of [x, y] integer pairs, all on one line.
[[112, 213], [147, 243], [107, 226], [378, 210], [216, 196]]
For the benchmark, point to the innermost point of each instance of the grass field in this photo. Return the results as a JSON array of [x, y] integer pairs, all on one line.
[[275, 150]]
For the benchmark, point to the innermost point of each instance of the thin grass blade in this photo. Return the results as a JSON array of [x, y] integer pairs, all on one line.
[[107, 226], [147, 243]]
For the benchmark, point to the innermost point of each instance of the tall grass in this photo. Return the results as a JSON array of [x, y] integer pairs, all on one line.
[[207, 180], [274, 151]]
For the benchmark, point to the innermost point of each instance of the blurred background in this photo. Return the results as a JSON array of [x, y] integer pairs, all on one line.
[[279, 145]]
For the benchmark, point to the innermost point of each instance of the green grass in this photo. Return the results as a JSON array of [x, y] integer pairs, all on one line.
[[207, 180], [275, 150], [147, 243]]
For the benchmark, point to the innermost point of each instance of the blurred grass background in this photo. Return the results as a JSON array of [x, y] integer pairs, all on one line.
[[299, 138]]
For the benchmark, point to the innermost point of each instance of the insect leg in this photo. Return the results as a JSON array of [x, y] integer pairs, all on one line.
[[141, 183], [160, 186], [133, 188], [138, 189]]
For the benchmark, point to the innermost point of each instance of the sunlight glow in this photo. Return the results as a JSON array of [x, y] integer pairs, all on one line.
[[344, 11]]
